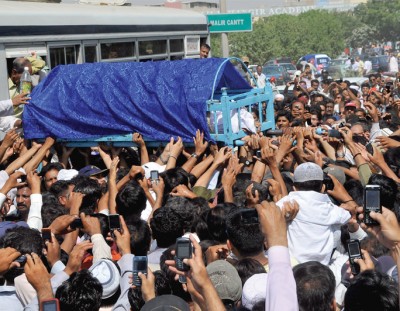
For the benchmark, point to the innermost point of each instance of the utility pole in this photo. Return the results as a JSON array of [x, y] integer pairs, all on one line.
[[224, 35]]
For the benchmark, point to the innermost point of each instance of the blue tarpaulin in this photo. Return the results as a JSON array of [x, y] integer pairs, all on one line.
[[157, 99]]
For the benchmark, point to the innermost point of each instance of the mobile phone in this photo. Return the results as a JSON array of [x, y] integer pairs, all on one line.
[[328, 182], [249, 217], [21, 259], [77, 223], [372, 203], [50, 305], [354, 250], [23, 178], [114, 222], [139, 265], [183, 249], [258, 153], [46, 235]]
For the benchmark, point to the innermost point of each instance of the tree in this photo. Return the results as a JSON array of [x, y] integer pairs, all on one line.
[[384, 16], [361, 36]]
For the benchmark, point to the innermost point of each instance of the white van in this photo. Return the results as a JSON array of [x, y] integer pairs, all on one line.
[[321, 61]]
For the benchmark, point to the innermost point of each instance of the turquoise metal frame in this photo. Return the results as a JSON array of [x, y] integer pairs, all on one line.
[[223, 101]]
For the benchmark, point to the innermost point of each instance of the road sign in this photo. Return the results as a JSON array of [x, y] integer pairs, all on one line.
[[229, 22]]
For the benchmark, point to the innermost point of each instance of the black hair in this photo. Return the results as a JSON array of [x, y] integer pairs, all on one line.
[[392, 158], [81, 291], [315, 285], [355, 190], [166, 226], [310, 185], [212, 225], [205, 45], [161, 287], [372, 290], [246, 238], [51, 209], [140, 237], [131, 201], [247, 267], [172, 178], [92, 191], [388, 189], [24, 240], [183, 208], [51, 166]]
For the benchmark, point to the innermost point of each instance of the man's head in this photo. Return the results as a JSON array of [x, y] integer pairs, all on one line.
[[24, 240], [204, 50], [315, 285], [131, 201], [259, 69], [166, 226], [81, 291], [329, 108], [308, 177], [18, 68], [92, 191], [372, 290], [23, 199], [297, 110], [350, 108], [315, 84], [49, 174], [244, 238], [283, 119]]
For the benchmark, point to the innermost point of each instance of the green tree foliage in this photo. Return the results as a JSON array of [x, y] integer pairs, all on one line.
[[288, 35], [384, 16]]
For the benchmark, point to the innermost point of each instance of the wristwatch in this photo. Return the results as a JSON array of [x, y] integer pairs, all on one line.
[[245, 161]]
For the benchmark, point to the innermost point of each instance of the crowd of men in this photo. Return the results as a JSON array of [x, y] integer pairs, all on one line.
[[269, 223]]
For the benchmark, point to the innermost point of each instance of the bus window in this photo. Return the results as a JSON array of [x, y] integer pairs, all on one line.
[[152, 47], [90, 54], [176, 45], [63, 55], [117, 50]]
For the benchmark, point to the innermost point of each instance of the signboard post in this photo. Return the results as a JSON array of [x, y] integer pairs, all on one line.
[[220, 23]]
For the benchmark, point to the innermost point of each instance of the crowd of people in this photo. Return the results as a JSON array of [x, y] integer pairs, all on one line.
[[268, 224]]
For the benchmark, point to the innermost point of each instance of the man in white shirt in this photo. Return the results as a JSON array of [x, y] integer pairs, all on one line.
[[261, 78], [310, 234], [393, 64], [367, 66]]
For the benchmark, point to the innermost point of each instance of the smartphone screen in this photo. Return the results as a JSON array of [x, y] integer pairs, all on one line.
[[114, 221], [154, 175], [46, 235], [140, 264], [372, 203], [183, 250], [354, 249]]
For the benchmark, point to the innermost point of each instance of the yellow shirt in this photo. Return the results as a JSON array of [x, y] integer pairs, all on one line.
[[14, 91]]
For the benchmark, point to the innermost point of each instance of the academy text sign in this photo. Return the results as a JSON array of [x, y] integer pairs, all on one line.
[[229, 22]]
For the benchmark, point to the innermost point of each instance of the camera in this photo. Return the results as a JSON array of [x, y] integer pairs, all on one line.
[[77, 223]]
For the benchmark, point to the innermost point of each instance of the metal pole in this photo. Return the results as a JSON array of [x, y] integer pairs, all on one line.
[[224, 36]]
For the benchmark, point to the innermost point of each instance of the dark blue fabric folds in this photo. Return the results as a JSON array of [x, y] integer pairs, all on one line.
[[157, 99]]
